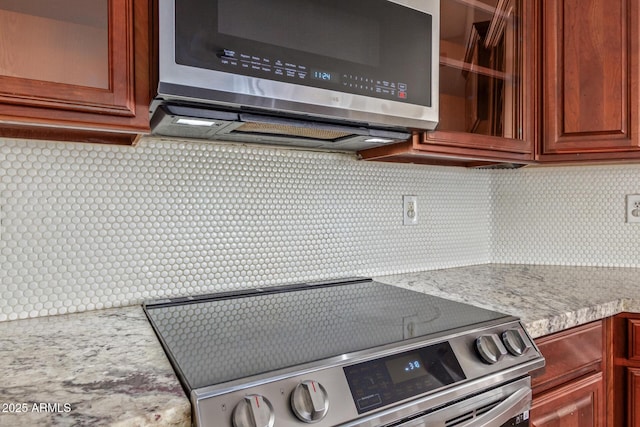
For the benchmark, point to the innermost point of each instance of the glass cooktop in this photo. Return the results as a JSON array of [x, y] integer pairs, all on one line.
[[218, 338]]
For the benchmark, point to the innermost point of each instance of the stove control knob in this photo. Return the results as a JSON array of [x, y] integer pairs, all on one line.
[[490, 348], [516, 342], [253, 411], [309, 401]]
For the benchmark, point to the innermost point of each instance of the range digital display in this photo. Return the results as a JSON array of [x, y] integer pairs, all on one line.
[[390, 379], [405, 368]]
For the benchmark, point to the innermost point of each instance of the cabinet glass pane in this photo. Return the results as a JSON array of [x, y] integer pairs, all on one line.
[[480, 67], [60, 41]]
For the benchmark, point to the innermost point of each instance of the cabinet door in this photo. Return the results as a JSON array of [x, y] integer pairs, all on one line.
[[633, 396], [623, 397], [488, 101], [486, 70], [74, 64], [576, 404], [591, 76]]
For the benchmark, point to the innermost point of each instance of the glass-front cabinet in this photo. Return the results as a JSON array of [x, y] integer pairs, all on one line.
[[74, 64], [487, 86], [480, 68]]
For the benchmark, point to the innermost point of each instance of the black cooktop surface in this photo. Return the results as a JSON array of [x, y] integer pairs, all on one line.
[[223, 337]]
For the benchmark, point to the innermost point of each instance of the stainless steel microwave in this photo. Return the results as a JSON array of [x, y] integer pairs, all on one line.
[[341, 74]]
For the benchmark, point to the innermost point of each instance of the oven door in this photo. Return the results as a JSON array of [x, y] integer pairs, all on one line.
[[505, 406]]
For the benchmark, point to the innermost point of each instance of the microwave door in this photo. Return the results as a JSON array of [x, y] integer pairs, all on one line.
[[354, 59]]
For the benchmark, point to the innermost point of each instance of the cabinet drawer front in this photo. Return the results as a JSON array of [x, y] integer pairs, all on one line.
[[569, 355]]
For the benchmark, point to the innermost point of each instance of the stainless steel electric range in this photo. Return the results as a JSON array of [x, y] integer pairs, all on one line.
[[349, 353]]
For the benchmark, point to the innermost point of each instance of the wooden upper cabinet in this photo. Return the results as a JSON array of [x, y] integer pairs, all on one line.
[[487, 87], [486, 71], [75, 69], [590, 80]]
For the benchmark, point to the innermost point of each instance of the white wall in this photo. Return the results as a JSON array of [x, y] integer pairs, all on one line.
[[91, 226]]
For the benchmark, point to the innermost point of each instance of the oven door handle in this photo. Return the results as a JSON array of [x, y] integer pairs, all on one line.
[[514, 405]]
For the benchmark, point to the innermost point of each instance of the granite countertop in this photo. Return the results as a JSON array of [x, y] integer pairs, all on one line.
[[107, 367], [548, 299], [96, 368]]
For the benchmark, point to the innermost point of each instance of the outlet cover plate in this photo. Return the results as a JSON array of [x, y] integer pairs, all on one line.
[[633, 208], [410, 210]]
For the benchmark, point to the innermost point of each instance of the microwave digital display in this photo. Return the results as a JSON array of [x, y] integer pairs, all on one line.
[[326, 76]]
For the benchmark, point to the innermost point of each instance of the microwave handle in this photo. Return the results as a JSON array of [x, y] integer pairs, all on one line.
[[514, 405]]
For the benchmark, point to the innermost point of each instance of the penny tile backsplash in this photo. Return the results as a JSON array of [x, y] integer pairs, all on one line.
[[93, 226], [565, 216], [85, 227]]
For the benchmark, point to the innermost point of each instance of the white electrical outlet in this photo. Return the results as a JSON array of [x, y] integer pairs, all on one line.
[[633, 207], [410, 210]]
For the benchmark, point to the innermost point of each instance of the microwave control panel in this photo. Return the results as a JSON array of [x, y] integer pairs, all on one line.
[[282, 70]]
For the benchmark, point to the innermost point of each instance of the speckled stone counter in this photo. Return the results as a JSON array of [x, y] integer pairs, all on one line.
[[547, 298], [96, 368], [107, 368]]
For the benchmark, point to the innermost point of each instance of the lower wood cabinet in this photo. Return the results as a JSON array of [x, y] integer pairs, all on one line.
[[570, 390], [591, 377]]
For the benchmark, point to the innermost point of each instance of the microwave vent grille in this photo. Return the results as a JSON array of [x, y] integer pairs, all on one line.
[[289, 130]]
